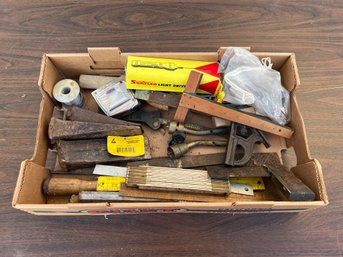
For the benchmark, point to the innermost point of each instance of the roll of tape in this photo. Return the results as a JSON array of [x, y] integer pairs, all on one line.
[[67, 91]]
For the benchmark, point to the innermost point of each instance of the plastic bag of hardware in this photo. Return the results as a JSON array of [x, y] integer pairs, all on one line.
[[249, 81]]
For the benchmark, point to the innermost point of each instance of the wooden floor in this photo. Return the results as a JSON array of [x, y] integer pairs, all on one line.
[[313, 31]]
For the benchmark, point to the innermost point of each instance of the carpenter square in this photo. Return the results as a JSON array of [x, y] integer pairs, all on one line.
[[245, 137]]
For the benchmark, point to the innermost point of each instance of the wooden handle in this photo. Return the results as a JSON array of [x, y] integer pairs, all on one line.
[[68, 186], [94, 81]]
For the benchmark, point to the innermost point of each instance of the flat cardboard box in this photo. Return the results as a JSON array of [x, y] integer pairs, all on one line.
[[28, 195]]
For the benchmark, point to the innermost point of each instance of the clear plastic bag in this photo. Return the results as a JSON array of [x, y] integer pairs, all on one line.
[[249, 81]]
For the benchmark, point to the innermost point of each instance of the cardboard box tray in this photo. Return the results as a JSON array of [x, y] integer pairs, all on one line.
[[28, 195]]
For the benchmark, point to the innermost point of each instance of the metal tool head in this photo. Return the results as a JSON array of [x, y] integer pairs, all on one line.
[[245, 137], [177, 150], [152, 119]]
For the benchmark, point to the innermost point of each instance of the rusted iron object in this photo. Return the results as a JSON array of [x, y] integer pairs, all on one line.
[[66, 130], [85, 153], [79, 114], [183, 162]]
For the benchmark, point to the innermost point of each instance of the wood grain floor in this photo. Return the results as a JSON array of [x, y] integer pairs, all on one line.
[[311, 29]]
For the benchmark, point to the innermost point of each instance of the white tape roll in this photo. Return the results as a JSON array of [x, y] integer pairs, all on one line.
[[67, 91]]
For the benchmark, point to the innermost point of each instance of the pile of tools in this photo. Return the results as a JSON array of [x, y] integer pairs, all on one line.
[[168, 147]]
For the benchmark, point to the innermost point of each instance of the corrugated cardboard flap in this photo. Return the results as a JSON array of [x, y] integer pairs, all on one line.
[[311, 174], [29, 184], [105, 57]]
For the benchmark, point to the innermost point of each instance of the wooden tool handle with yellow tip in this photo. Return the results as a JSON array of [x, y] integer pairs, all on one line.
[[67, 186]]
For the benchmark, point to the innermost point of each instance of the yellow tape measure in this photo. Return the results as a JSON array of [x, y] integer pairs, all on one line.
[[256, 183], [107, 183]]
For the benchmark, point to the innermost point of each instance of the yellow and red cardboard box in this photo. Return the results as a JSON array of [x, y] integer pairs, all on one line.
[[170, 75], [28, 195]]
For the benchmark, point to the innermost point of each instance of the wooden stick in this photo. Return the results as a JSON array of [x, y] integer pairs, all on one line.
[[184, 162], [175, 179], [226, 172], [191, 87], [194, 102], [169, 195], [95, 81]]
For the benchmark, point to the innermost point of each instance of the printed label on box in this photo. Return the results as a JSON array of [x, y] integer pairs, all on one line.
[[170, 75]]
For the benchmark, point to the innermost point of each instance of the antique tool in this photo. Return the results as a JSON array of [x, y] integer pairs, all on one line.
[[153, 120], [184, 162], [225, 172], [197, 103], [85, 153], [95, 81], [191, 87], [176, 151], [246, 138], [67, 92], [79, 114], [170, 195], [176, 126], [162, 98], [177, 137], [183, 180], [67, 186], [292, 188], [64, 129], [189, 100], [175, 179], [93, 196], [192, 197], [289, 185]]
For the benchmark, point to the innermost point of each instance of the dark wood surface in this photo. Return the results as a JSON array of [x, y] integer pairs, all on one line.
[[311, 29]]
